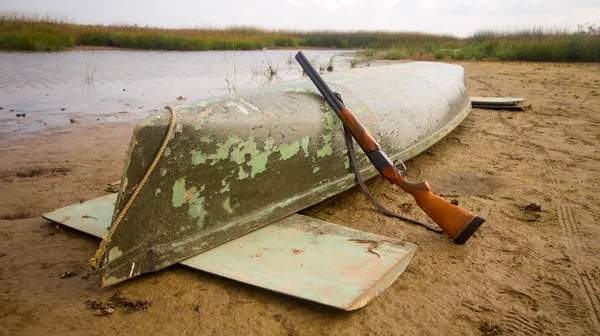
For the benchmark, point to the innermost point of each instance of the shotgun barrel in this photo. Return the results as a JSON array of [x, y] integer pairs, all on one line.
[[457, 222]]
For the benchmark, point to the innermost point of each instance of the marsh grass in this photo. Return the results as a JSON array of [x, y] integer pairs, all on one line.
[[535, 44], [14, 25], [88, 73], [331, 62], [35, 40], [271, 68], [469, 52], [394, 54], [33, 32], [231, 82], [440, 54]]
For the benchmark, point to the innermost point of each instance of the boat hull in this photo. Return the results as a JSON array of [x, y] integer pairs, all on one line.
[[239, 162]]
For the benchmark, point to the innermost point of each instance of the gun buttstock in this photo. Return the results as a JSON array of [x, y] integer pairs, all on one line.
[[456, 222]]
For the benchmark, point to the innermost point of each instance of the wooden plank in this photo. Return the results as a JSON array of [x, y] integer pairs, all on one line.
[[503, 107], [297, 255], [497, 101]]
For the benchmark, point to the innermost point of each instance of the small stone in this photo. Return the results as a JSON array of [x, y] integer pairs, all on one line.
[[73, 121], [66, 275], [533, 207], [63, 109], [124, 90], [112, 189]]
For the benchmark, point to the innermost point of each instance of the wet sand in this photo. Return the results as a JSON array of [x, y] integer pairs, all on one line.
[[524, 272]]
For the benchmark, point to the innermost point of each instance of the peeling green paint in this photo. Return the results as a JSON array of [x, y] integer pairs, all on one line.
[[179, 192], [197, 209], [178, 129], [289, 150], [347, 162], [332, 120], [223, 149], [198, 157], [194, 199], [225, 186], [238, 153], [227, 205], [259, 162], [206, 139], [258, 159], [202, 103], [326, 150], [242, 174], [304, 142], [316, 169]]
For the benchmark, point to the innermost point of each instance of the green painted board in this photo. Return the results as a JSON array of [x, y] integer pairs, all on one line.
[[297, 255]]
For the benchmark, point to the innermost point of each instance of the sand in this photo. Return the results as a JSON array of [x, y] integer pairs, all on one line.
[[523, 273]]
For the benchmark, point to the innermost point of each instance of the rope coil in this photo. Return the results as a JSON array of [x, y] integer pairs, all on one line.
[[96, 260]]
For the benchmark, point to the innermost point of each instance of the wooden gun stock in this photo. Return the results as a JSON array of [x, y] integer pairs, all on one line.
[[456, 222]]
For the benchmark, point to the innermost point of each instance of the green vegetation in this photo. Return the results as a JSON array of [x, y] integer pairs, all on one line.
[[394, 53], [536, 44], [440, 54], [540, 44], [469, 51], [35, 33], [356, 61]]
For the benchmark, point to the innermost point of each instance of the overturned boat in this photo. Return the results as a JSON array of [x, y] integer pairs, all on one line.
[[239, 162]]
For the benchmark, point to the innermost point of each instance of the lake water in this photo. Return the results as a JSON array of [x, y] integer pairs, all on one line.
[[116, 85]]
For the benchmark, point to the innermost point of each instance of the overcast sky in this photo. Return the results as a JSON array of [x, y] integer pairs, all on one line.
[[458, 17]]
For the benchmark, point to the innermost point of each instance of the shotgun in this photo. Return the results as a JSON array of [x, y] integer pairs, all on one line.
[[455, 221]]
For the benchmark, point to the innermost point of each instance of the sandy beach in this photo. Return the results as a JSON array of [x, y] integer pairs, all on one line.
[[524, 273]]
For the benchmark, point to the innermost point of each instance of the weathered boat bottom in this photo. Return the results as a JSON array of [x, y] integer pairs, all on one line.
[[237, 163]]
